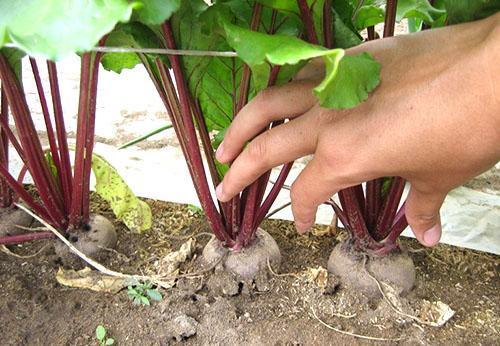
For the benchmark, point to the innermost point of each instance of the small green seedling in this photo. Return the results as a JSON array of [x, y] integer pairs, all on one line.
[[195, 209], [142, 293], [100, 333]]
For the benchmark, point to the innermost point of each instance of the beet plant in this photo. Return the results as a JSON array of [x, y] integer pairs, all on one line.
[[203, 87], [62, 193]]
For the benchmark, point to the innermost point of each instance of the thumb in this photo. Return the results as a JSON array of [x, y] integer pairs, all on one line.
[[422, 213]]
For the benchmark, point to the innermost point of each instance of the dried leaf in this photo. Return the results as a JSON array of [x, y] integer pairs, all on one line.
[[436, 313], [319, 276], [89, 279]]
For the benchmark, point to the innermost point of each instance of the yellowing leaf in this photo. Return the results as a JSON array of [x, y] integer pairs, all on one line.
[[129, 209]]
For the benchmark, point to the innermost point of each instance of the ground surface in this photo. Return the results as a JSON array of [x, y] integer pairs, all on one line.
[[36, 310]]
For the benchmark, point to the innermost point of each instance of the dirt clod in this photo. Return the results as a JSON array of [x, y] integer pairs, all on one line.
[[396, 269], [11, 218], [182, 327]]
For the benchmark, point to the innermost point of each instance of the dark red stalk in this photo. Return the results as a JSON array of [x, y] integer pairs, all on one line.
[[307, 19], [328, 24], [199, 177], [399, 225], [5, 191], [89, 138], [390, 17], [356, 223], [23, 238], [42, 176], [372, 202], [338, 212], [65, 173], [209, 152], [81, 133], [389, 208], [46, 116], [236, 203], [12, 138], [18, 188], [256, 190], [371, 33], [275, 190]]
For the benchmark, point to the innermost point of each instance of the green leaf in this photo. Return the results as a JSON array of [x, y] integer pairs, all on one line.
[[52, 164], [110, 341], [56, 28], [133, 35], [155, 12], [345, 35], [368, 16], [144, 301], [116, 62], [353, 77], [417, 9], [129, 209], [460, 11], [348, 79], [14, 58], [154, 294], [100, 332]]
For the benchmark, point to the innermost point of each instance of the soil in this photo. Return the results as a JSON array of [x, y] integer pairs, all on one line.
[[13, 220], [36, 310]]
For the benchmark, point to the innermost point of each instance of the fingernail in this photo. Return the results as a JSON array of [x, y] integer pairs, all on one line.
[[303, 227], [218, 192], [432, 235], [220, 151]]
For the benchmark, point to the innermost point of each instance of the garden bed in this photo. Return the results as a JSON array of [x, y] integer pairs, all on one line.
[[36, 310]]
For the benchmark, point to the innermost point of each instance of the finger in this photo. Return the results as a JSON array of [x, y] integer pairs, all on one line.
[[314, 69], [422, 213], [274, 103], [315, 184], [274, 147]]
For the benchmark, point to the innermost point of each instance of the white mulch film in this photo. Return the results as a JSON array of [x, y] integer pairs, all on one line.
[[128, 106]]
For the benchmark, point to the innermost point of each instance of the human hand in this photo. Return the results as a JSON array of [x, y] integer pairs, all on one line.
[[434, 120]]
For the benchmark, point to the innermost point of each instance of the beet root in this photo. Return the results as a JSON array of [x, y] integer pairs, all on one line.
[[92, 240], [11, 218], [248, 264], [396, 269]]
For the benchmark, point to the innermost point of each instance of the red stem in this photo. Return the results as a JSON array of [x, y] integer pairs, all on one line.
[[18, 188], [89, 139], [46, 116], [12, 138], [199, 177], [389, 208], [339, 212], [273, 194], [352, 210], [399, 225], [373, 202], [23, 238], [307, 19], [5, 191], [371, 33], [81, 131], [328, 24], [42, 176], [65, 171], [390, 17]]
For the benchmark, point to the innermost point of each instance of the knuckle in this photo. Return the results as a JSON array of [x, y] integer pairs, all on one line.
[[421, 220], [265, 97], [257, 149]]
